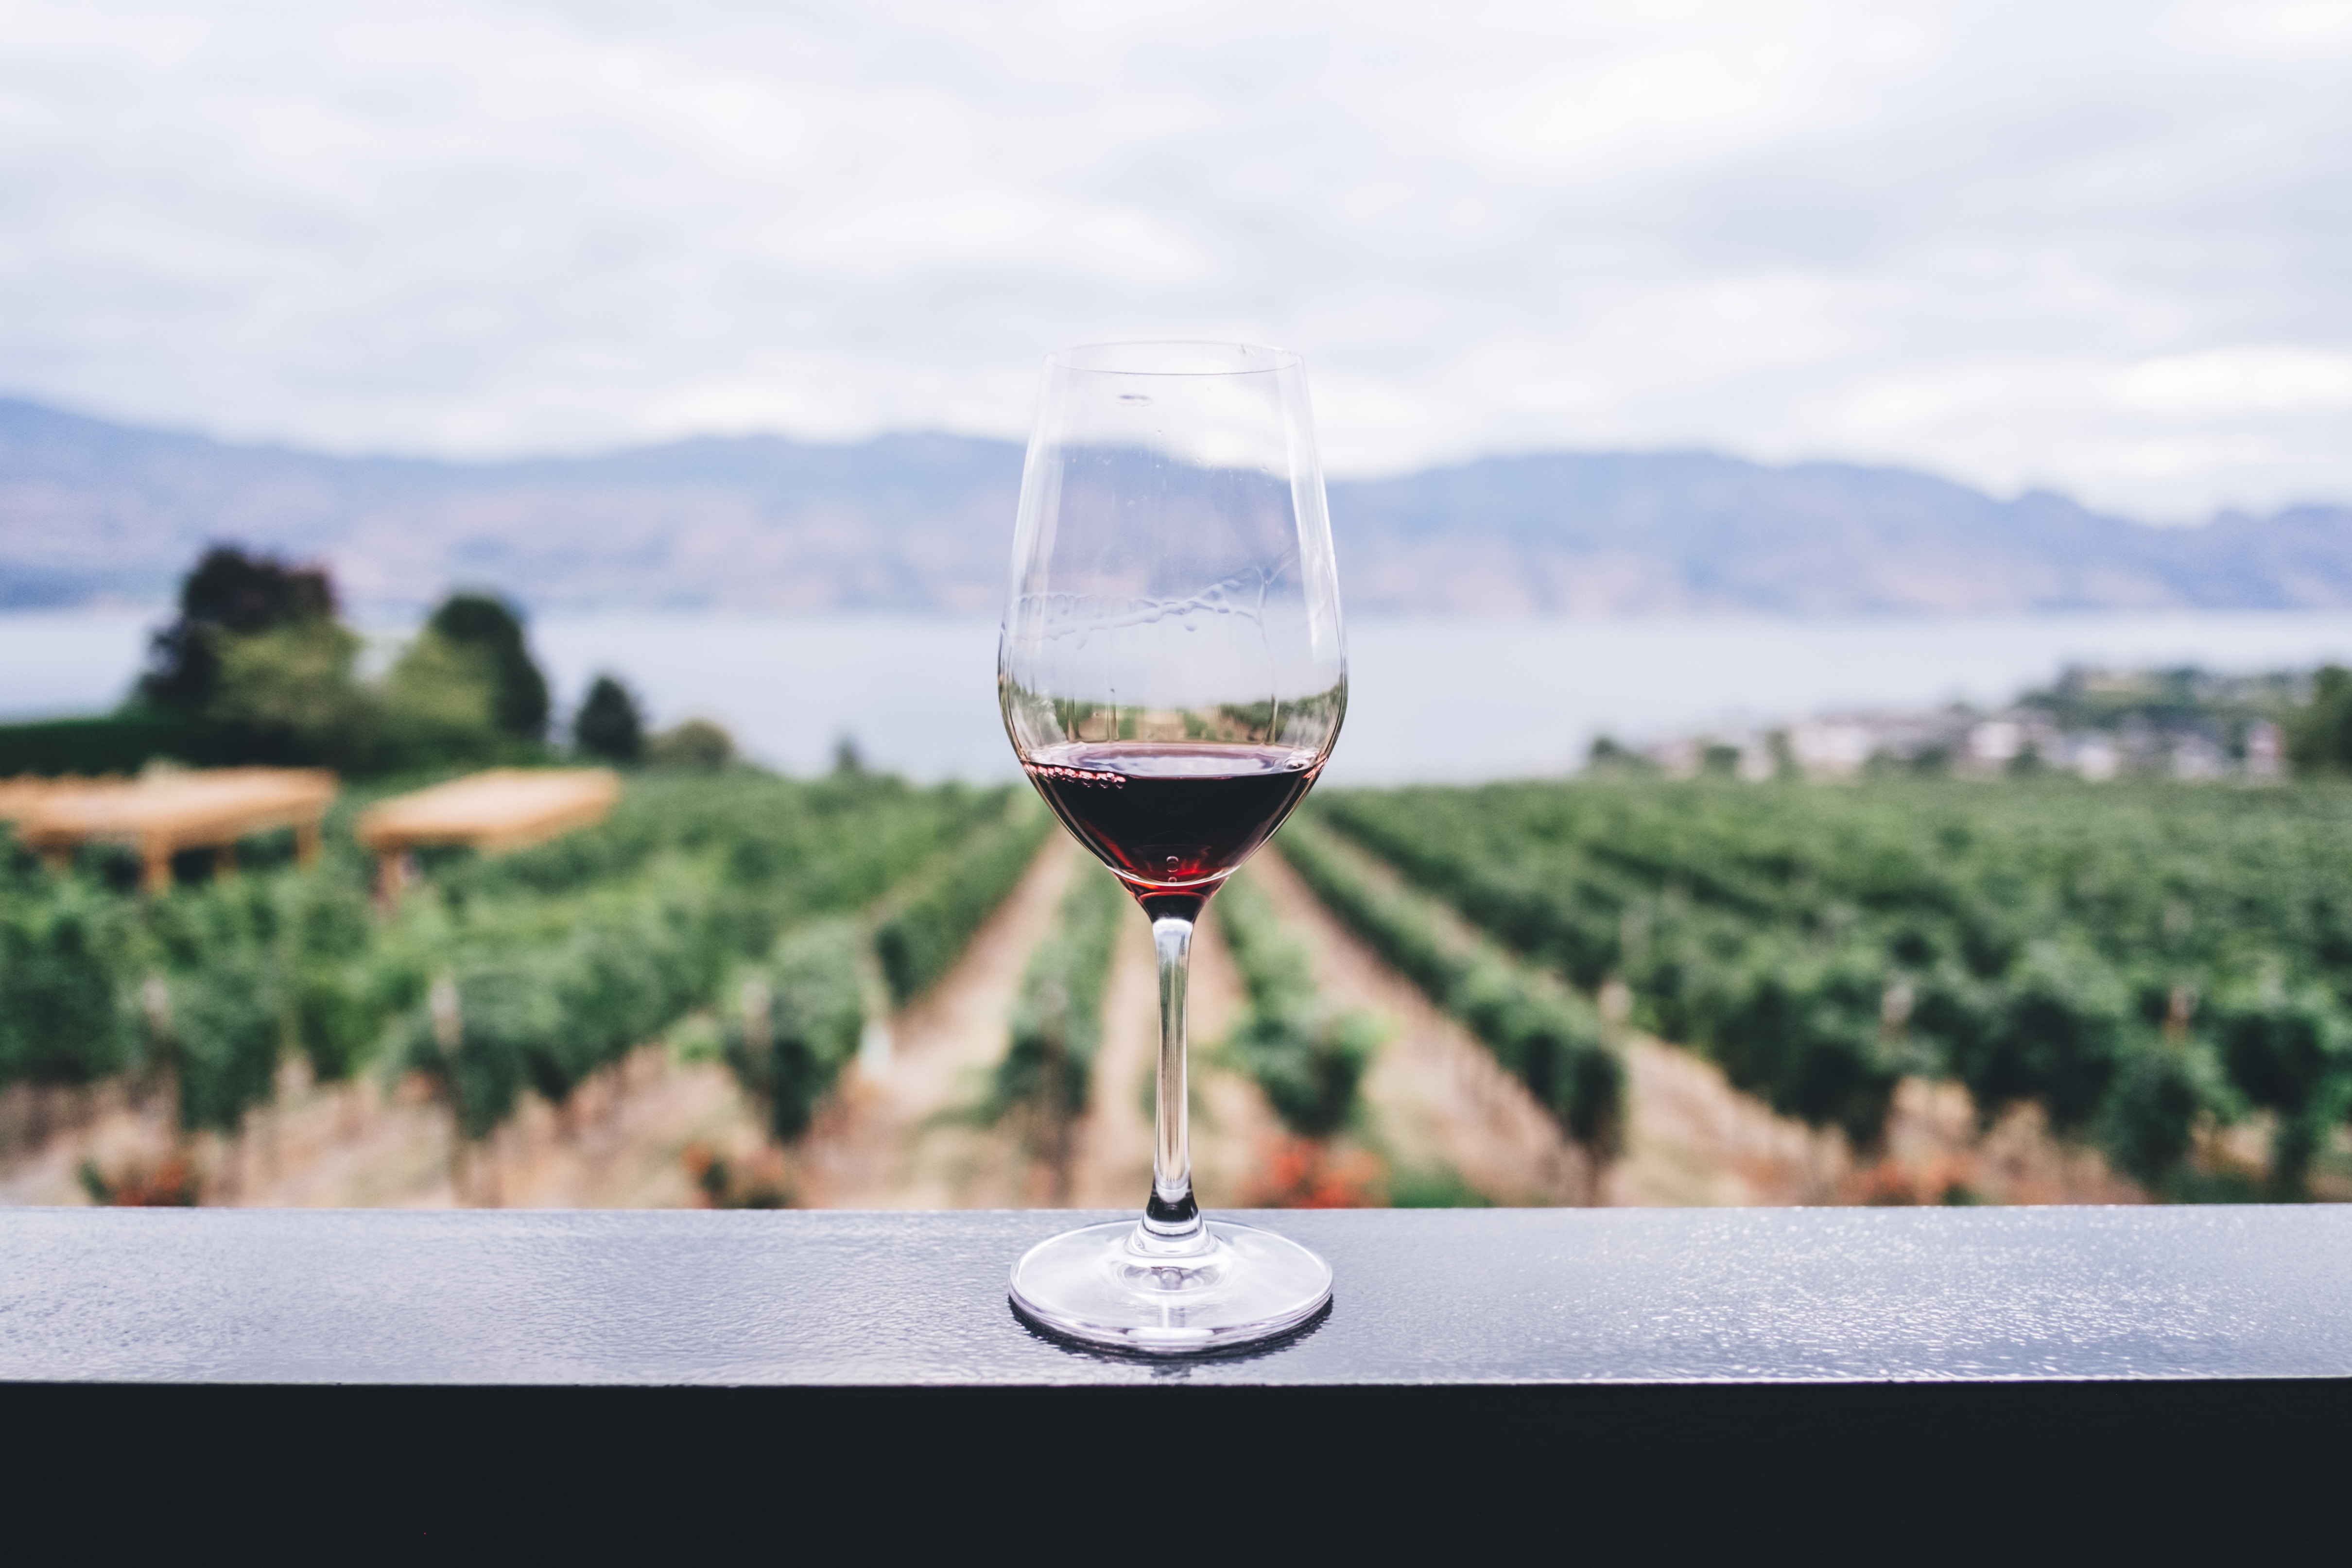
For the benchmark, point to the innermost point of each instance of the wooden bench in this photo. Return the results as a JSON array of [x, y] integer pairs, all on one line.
[[495, 811], [161, 814]]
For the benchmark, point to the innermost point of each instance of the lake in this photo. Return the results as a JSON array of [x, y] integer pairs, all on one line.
[[1430, 699]]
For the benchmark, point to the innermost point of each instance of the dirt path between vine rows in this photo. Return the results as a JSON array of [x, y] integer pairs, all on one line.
[[899, 1136], [1233, 1130]]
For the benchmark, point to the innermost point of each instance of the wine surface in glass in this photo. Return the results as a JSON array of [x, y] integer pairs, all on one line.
[[1171, 814]]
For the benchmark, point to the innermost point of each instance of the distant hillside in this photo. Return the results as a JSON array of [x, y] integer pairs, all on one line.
[[91, 511], [1567, 533]]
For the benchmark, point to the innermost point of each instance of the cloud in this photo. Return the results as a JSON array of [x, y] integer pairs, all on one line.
[[2098, 246]]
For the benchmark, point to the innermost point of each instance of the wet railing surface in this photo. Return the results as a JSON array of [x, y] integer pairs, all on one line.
[[1474, 1298], [1877, 1385]]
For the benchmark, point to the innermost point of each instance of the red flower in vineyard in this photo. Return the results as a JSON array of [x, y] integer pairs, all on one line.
[[1307, 1173]]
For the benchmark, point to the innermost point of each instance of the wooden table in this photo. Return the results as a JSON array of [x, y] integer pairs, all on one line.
[[502, 810], [161, 814]]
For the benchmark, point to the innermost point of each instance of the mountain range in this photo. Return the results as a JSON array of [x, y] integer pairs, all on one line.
[[92, 512]]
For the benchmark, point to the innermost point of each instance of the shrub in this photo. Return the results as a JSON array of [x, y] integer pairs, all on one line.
[[1308, 1058], [798, 1021], [924, 936]]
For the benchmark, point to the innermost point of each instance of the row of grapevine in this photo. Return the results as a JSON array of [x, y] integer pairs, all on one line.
[[1309, 1058], [202, 990], [1546, 1035], [798, 1020], [1046, 1075], [918, 941], [2140, 962], [557, 963], [802, 1011]]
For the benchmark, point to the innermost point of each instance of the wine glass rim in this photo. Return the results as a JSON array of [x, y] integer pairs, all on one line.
[[1173, 357]]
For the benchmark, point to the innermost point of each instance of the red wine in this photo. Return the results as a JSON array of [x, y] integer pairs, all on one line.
[[1172, 815]]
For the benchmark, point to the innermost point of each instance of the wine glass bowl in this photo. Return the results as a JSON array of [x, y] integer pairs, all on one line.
[[1172, 675]]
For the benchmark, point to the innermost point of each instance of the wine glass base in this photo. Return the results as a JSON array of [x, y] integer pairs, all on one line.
[[1095, 1285]]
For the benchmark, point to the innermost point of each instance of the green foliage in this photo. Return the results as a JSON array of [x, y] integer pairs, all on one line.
[[1309, 1058], [798, 1020], [258, 669], [2157, 1095], [1807, 1033], [920, 941], [337, 993], [294, 696], [582, 949], [2289, 1053], [524, 972], [609, 724], [298, 687], [2319, 734], [2057, 1033], [225, 1030], [338, 1020], [63, 1017], [1546, 1035], [216, 995], [1434, 1188], [1607, 758], [227, 593], [438, 706], [2045, 941], [696, 743], [1047, 1071], [473, 1036], [124, 743], [492, 626]]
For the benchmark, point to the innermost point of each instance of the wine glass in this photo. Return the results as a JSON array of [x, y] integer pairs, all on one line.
[[1172, 677]]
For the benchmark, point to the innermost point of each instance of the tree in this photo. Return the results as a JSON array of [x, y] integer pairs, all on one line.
[[439, 704], [228, 594], [2319, 736], [1609, 760], [696, 743], [294, 693], [494, 626], [609, 724]]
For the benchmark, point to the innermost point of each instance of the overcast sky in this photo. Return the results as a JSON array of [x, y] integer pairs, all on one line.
[[2103, 248]]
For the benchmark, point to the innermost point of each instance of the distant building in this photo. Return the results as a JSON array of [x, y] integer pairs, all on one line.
[[1997, 742], [1833, 749], [2265, 751], [2094, 756], [2194, 757], [2098, 725]]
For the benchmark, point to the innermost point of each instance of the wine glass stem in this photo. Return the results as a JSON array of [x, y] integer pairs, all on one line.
[[1172, 1219]]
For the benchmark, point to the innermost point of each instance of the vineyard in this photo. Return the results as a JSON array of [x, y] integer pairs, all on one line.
[[765, 900], [2142, 964], [1427, 995]]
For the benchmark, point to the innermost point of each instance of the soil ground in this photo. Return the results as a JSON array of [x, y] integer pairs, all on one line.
[[621, 1143]]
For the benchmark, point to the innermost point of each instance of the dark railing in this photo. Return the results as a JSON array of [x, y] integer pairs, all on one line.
[[1832, 1382]]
